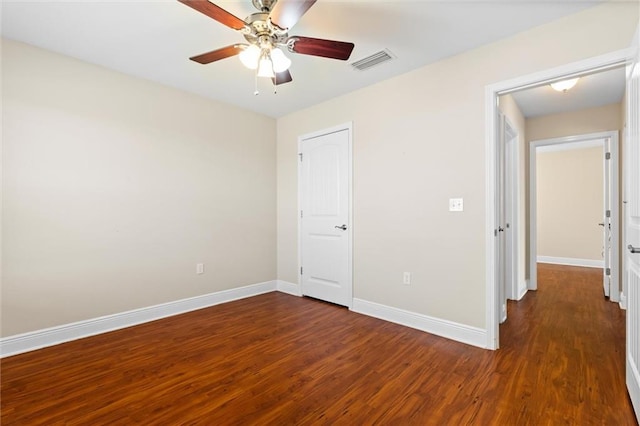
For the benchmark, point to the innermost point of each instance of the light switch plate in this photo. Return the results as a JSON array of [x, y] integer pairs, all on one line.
[[456, 205], [406, 278]]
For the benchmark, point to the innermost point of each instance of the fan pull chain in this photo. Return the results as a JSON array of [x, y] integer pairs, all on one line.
[[275, 79], [256, 92]]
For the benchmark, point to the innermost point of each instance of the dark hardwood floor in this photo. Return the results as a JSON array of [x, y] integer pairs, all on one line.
[[279, 359]]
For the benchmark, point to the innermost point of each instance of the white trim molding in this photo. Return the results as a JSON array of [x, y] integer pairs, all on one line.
[[20, 343], [587, 263], [288, 288], [451, 330]]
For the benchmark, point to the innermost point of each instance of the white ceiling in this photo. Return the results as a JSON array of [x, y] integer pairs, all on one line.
[[154, 39], [591, 91]]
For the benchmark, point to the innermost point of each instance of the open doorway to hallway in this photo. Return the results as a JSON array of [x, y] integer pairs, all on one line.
[[570, 194]]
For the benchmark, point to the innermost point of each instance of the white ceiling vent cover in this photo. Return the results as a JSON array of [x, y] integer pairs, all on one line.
[[373, 60]]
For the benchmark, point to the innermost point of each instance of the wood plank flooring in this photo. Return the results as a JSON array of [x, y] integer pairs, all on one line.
[[278, 359]]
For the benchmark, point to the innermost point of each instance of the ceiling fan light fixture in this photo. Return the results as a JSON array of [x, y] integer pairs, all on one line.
[[280, 61], [265, 32], [250, 57], [564, 85]]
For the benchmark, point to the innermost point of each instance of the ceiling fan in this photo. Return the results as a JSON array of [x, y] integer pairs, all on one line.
[[266, 32]]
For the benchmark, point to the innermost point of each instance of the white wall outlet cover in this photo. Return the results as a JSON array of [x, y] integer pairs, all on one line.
[[456, 205], [406, 278], [199, 268]]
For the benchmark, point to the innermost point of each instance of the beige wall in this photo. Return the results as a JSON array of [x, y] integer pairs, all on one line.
[[115, 187], [510, 109], [592, 120], [419, 140], [570, 194]]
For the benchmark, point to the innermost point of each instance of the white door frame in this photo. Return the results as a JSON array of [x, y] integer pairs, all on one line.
[[614, 294], [349, 128], [492, 91]]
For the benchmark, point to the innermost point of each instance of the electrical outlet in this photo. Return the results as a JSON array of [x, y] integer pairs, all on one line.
[[406, 278], [199, 268], [455, 205]]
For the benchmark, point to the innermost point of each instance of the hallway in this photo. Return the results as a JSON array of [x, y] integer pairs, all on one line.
[[568, 347]]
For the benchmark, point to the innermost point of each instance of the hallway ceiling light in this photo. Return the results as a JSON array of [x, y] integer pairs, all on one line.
[[564, 85]]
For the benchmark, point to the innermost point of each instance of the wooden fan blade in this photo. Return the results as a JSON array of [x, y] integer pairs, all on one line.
[[286, 13], [320, 47], [215, 12], [282, 77], [216, 55]]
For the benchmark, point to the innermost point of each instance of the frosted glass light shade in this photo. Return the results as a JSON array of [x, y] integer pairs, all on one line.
[[564, 85], [280, 61], [265, 68], [250, 57]]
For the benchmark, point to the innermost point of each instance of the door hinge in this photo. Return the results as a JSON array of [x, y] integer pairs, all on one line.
[[301, 270], [608, 214], [300, 156], [607, 156], [608, 271], [301, 214]]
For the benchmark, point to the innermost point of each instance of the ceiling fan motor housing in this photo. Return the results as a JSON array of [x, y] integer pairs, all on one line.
[[260, 31]]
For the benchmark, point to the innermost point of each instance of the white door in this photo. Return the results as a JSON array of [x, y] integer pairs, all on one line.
[[325, 224], [511, 211], [606, 224], [632, 229], [500, 232], [610, 221], [507, 186]]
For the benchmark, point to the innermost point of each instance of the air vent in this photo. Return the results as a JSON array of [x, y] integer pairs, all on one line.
[[373, 60]]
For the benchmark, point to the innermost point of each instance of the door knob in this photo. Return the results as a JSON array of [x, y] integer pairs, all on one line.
[[343, 227], [633, 249]]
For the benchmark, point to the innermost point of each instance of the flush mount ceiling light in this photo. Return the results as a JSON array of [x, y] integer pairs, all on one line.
[[564, 85]]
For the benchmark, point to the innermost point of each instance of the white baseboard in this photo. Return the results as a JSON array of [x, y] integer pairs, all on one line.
[[522, 290], [623, 301], [20, 343], [449, 329], [13, 345], [587, 263], [528, 281], [288, 287]]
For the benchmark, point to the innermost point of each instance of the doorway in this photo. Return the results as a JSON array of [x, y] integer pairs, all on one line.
[[605, 147], [582, 68]]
